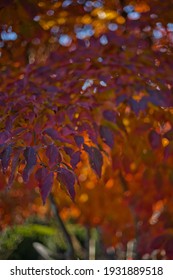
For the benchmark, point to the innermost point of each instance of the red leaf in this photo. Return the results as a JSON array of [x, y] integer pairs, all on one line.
[[95, 159], [5, 157], [67, 178], [45, 182], [107, 135], [31, 160], [53, 155]]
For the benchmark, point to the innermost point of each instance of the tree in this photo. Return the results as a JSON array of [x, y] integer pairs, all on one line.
[[86, 105]]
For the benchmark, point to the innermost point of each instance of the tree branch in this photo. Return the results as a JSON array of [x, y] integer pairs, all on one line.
[[70, 251]]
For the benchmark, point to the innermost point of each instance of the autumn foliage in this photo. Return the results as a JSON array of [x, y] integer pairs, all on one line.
[[86, 112]]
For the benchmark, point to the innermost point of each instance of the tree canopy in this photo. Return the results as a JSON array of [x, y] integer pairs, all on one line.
[[86, 106]]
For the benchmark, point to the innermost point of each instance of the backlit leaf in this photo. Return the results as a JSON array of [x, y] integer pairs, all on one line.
[[95, 159], [67, 178]]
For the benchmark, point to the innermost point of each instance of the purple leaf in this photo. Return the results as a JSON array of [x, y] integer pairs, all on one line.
[[9, 123], [91, 132], [67, 178], [79, 140], [14, 166], [45, 182], [143, 103], [53, 155], [18, 131], [75, 159], [4, 136], [66, 131], [55, 135], [168, 151], [31, 160], [135, 106], [69, 151], [107, 135], [109, 115], [156, 99], [95, 159], [120, 99], [154, 139], [5, 158], [52, 133]]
